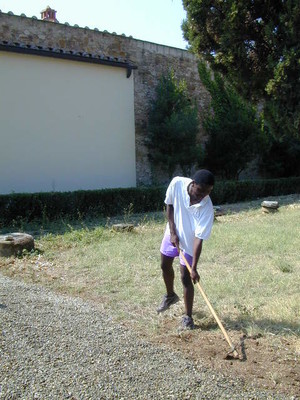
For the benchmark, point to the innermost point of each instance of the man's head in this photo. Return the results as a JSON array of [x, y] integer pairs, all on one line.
[[204, 177], [201, 185]]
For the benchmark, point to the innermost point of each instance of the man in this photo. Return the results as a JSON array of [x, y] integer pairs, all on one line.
[[190, 217]]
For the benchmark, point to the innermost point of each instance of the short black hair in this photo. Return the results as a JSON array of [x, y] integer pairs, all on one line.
[[204, 177]]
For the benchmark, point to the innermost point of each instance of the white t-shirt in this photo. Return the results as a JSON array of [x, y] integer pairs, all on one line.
[[191, 221]]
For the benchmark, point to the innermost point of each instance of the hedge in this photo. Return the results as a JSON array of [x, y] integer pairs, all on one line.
[[110, 202], [235, 191]]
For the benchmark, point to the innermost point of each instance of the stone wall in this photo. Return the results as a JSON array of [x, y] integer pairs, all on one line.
[[151, 59]]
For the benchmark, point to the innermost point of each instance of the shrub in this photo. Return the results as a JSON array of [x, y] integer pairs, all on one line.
[[110, 202], [232, 127], [234, 191], [173, 127], [279, 157], [51, 206]]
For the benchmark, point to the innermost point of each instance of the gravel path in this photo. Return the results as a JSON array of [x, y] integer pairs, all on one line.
[[56, 347]]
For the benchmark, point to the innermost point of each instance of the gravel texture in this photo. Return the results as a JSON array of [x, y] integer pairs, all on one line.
[[56, 347]]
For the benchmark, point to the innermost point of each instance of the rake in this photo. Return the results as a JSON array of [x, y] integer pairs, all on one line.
[[233, 352]]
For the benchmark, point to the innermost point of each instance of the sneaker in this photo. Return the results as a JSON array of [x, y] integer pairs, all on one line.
[[167, 302], [188, 322]]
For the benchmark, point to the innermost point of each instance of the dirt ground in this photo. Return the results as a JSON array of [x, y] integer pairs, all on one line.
[[266, 362]]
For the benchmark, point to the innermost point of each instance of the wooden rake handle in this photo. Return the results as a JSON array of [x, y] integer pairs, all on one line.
[[209, 305]]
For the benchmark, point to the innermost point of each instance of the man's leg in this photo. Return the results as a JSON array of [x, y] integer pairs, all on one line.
[[188, 290], [168, 276], [168, 273]]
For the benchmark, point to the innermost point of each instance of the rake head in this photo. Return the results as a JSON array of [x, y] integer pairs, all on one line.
[[233, 355]]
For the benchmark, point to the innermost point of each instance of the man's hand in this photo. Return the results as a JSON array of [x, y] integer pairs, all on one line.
[[194, 275], [174, 240]]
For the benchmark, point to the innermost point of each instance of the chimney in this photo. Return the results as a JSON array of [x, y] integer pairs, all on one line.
[[49, 15]]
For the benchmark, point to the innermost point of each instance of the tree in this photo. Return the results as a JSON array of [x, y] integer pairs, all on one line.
[[173, 127], [232, 127], [280, 158], [256, 45]]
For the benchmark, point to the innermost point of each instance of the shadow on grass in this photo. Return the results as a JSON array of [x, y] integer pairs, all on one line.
[[256, 204], [251, 327], [39, 229], [261, 326]]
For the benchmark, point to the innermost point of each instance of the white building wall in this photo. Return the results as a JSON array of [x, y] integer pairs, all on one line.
[[64, 125]]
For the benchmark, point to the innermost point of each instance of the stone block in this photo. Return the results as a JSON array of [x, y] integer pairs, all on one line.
[[123, 227], [13, 244], [270, 206]]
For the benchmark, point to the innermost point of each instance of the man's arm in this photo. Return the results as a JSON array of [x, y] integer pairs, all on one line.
[[173, 234], [196, 255]]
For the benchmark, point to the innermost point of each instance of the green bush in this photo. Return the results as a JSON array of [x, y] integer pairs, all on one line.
[[232, 128], [51, 206], [234, 191], [173, 127], [279, 157], [110, 202]]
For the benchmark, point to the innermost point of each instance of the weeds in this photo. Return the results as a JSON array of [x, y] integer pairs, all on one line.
[[284, 267], [127, 213]]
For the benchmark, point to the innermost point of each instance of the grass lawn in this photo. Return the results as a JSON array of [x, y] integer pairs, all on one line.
[[249, 268]]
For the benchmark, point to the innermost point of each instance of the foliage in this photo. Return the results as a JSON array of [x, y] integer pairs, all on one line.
[[256, 45], [78, 204], [235, 191], [280, 157], [173, 126], [45, 207], [232, 127]]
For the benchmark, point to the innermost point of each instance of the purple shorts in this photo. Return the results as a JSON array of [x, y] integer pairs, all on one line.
[[167, 249]]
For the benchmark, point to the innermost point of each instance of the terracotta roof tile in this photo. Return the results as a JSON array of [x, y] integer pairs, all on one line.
[[96, 58]]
